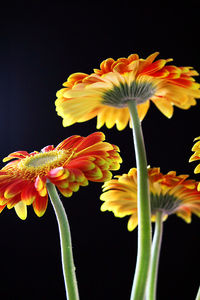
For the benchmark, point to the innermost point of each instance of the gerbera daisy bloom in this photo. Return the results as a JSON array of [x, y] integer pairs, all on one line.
[[106, 92], [169, 193], [196, 156], [68, 166]]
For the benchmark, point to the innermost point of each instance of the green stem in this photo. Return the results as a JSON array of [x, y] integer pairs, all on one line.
[[156, 245], [144, 222], [198, 295], [66, 245]]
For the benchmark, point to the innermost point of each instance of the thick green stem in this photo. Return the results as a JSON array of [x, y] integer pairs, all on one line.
[[66, 245], [198, 295], [144, 222], [156, 245]]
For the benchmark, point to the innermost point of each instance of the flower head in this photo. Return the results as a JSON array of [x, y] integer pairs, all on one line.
[[106, 92], [68, 166], [169, 193], [196, 156]]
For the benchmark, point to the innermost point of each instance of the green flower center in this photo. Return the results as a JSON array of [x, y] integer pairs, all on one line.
[[165, 203], [137, 91]]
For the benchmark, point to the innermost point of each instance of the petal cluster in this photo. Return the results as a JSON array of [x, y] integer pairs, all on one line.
[[196, 156], [105, 92], [71, 164], [169, 193]]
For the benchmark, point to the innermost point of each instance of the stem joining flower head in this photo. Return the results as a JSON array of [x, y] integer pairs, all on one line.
[[166, 204], [136, 91]]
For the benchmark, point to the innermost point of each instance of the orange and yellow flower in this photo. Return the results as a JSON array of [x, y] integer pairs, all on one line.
[[68, 166], [105, 92], [196, 156], [169, 193]]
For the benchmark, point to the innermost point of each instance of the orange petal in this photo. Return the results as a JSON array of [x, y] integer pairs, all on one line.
[[47, 148], [185, 83], [14, 188], [74, 186], [133, 57], [106, 65], [40, 205], [12, 202], [161, 73], [65, 192], [151, 57], [82, 164], [40, 186], [2, 207], [3, 201], [70, 142], [94, 174], [18, 154], [106, 175], [77, 174], [157, 65], [185, 214], [55, 179], [91, 139], [57, 172], [63, 184], [120, 68], [76, 77], [29, 194], [101, 146]]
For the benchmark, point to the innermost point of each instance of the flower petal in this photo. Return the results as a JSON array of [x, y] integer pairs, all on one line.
[[40, 185], [164, 106], [2, 207], [132, 222], [21, 210], [18, 154], [14, 188], [40, 205], [29, 194]]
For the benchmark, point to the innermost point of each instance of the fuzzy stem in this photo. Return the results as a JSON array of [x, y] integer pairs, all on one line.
[[156, 245], [144, 222], [66, 245]]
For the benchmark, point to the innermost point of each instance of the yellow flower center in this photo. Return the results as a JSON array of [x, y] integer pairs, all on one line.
[[41, 163], [42, 159]]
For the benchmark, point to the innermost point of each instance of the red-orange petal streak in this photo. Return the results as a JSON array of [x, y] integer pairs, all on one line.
[[14, 188], [40, 205], [29, 194], [40, 186]]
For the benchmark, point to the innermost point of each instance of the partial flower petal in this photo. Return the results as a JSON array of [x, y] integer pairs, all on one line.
[[21, 210], [40, 205]]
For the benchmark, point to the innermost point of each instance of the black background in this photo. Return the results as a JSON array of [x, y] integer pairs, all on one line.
[[42, 43]]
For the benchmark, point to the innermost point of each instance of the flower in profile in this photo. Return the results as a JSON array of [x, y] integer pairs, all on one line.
[[106, 92], [68, 166], [169, 193], [196, 156]]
